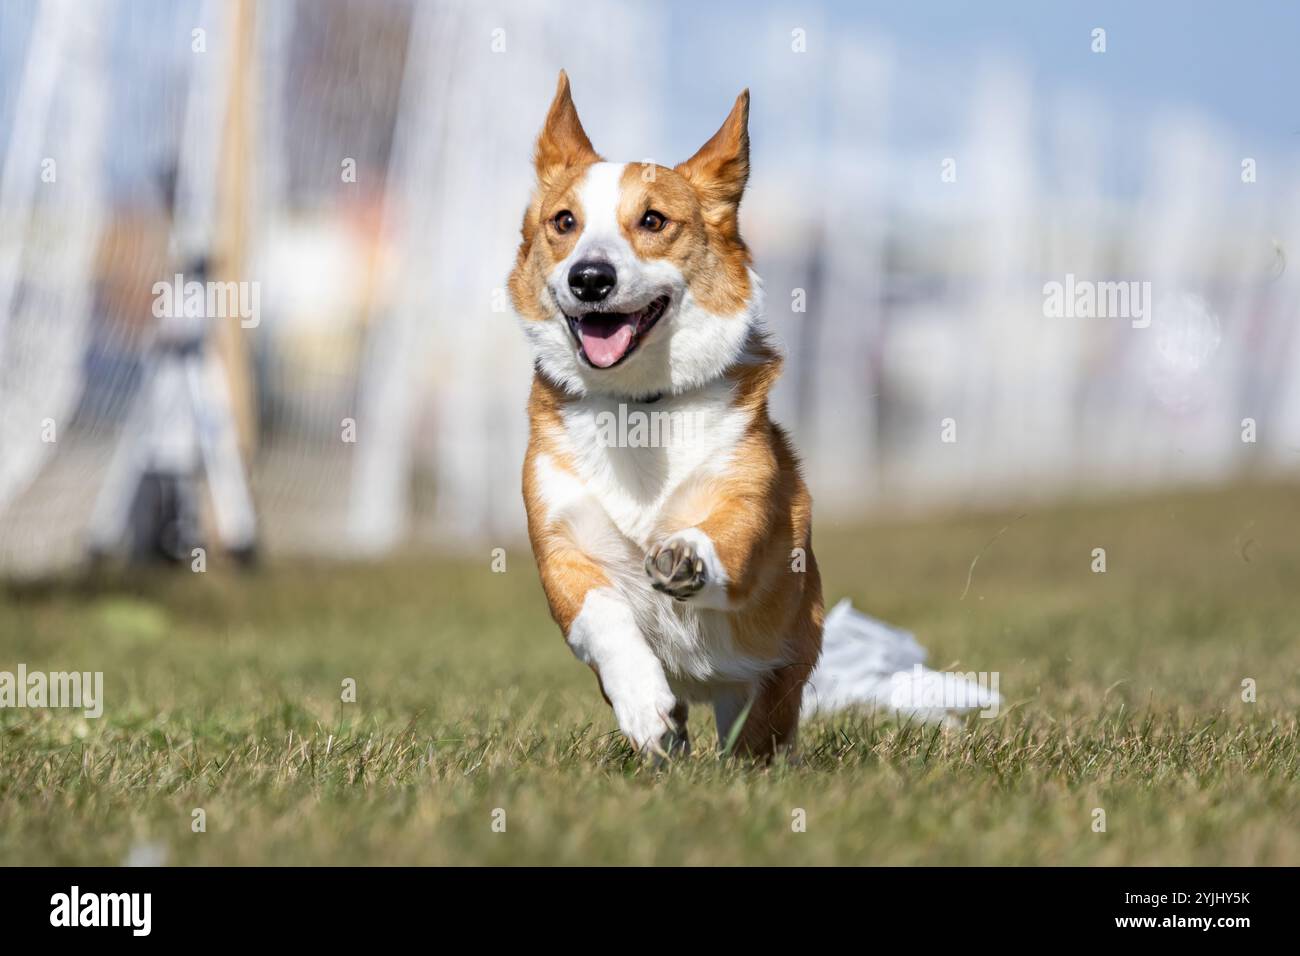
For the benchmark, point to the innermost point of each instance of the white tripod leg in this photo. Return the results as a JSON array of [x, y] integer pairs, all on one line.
[[232, 502], [112, 512]]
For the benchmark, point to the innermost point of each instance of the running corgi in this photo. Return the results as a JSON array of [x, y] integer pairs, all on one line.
[[679, 569]]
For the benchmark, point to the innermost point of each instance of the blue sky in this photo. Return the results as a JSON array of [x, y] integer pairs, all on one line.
[[1236, 61], [1234, 67]]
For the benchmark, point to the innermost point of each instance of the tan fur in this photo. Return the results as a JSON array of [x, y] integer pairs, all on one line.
[[567, 573], [561, 159], [563, 143], [718, 173], [710, 253], [757, 512]]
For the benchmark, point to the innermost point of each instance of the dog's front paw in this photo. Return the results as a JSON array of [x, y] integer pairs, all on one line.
[[676, 568], [649, 725]]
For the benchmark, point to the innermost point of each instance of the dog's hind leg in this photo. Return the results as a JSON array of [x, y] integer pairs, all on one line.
[[679, 742], [773, 720], [729, 702], [771, 709]]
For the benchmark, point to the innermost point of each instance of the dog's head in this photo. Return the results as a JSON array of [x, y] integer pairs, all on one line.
[[632, 279]]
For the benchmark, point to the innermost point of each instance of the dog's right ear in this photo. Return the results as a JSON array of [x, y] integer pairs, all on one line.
[[563, 142]]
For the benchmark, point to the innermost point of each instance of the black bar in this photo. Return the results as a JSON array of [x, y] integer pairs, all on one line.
[[977, 908]]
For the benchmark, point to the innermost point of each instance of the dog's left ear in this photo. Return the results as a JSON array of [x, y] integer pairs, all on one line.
[[721, 167]]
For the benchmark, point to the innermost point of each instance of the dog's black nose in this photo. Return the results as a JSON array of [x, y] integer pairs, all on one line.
[[592, 280]]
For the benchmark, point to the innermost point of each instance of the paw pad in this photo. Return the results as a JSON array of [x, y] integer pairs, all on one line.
[[675, 569]]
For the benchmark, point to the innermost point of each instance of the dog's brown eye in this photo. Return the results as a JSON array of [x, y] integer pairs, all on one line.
[[563, 221], [654, 221]]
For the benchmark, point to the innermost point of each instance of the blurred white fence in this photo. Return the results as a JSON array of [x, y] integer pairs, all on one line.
[[390, 166]]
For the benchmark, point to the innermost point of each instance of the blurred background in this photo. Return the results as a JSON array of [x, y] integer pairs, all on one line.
[[920, 172]]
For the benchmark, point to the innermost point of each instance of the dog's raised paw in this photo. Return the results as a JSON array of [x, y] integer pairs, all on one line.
[[676, 569]]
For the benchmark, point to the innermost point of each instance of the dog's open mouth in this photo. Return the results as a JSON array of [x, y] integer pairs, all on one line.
[[607, 338]]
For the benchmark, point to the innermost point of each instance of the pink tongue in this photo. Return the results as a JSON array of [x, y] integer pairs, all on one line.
[[606, 343]]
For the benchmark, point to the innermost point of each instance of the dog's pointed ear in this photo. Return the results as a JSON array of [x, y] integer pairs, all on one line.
[[720, 169], [563, 142]]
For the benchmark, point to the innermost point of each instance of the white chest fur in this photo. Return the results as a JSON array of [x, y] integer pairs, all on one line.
[[631, 457]]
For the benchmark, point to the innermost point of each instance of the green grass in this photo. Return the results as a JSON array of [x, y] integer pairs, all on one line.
[[223, 693]]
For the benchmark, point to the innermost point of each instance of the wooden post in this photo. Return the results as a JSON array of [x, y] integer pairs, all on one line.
[[231, 241]]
